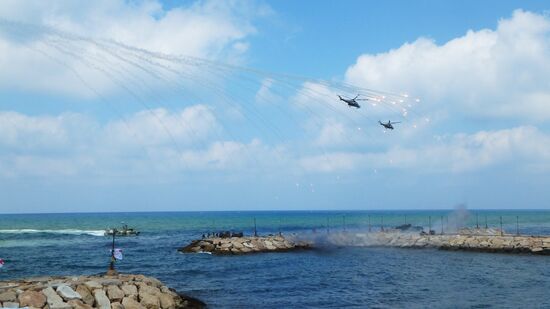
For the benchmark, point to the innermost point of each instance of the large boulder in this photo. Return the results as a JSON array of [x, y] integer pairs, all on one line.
[[54, 300], [152, 281], [129, 289], [167, 301], [8, 304], [101, 299], [32, 298], [9, 296], [78, 304], [92, 285], [84, 292], [149, 301], [117, 305], [67, 292], [115, 293], [131, 303], [144, 288], [109, 281]]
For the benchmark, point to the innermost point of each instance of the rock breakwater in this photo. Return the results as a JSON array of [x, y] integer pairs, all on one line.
[[87, 292], [469, 242], [244, 245]]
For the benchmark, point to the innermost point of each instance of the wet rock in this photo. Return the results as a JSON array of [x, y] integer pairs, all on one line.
[[10, 305], [31, 298]]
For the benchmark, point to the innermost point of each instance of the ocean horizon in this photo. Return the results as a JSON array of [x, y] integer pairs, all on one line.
[[328, 276]]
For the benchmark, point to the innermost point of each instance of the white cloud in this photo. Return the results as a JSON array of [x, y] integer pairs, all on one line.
[[46, 133], [207, 29], [523, 147], [486, 73], [160, 127], [154, 142]]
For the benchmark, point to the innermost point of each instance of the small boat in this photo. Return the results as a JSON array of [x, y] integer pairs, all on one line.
[[124, 231]]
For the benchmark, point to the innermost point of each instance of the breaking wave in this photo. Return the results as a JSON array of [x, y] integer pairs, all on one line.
[[63, 232]]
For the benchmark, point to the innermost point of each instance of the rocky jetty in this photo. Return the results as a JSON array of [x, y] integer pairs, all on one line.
[[244, 244], [86, 292], [467, 241]]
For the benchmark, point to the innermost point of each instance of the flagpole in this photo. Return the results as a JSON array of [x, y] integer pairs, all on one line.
[[112, 270]]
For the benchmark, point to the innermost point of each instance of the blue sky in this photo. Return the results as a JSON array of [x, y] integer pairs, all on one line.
[[91, 125]]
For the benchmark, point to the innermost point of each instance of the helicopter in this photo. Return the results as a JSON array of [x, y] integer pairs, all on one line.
[[388, 125], [352, 102]]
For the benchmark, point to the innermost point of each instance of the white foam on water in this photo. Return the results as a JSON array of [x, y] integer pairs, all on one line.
[[63, 231]]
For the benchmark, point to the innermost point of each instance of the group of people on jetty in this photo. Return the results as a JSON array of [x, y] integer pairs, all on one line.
[[222, 234]]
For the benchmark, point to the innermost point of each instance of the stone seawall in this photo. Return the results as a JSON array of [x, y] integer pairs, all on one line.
[[485, 243], [244, 245], [87, 292]]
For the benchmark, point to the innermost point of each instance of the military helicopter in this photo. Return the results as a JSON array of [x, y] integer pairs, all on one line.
[[352, 102], [388, 125]]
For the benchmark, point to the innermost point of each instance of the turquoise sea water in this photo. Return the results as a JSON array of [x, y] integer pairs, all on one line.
[[64, 244]]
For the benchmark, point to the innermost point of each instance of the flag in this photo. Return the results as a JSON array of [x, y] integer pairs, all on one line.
[[1, 263], [117, 254]]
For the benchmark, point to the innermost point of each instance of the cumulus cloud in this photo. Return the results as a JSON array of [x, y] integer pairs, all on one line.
[[160, 127], [525, 147], [500, 73], [149, 142]]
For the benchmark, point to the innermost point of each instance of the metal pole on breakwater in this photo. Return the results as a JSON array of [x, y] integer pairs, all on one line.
[[501, 232], [477, 221], [344, 222], [112, 270], [441, 225], [517, 225], [255, 230], [382, 224], [429, 225], [369, 223]]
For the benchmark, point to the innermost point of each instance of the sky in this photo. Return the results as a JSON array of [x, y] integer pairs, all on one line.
[[209, 105]]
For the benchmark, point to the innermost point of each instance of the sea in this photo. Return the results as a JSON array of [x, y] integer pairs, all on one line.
[[326, 277]]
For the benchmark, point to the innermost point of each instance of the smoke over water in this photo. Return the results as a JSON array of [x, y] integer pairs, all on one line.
[[454, 222]]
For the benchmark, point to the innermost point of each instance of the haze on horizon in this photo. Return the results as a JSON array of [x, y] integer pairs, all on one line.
[[74, 137]]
